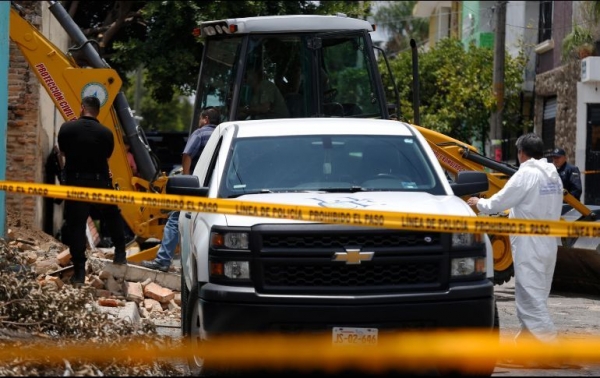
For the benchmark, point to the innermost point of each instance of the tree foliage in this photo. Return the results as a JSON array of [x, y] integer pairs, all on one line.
[[175, 115], [456, 88], [396, 17], [159, 34]]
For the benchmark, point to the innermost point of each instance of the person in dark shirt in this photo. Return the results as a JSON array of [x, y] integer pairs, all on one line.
[[569, 175], [87, 145]]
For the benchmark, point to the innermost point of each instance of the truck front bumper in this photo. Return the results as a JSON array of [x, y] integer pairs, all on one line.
[[227, 309]]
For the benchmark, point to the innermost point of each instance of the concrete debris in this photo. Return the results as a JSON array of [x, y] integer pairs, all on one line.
[[128, 296]]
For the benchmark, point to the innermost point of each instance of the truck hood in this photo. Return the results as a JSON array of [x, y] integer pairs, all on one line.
[[417, 202]]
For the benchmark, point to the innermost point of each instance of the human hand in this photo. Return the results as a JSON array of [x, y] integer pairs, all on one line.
[[472, 201]]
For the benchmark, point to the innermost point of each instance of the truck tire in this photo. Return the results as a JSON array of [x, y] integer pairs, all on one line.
[[191, 328], [503, 276], [185, 293]]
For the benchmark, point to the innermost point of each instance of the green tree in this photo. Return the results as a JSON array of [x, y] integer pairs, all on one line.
[[159, 34], [175, 115], [456, 94], [396, 17]]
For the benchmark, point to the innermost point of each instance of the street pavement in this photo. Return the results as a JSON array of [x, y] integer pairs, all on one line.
[[576, 316]]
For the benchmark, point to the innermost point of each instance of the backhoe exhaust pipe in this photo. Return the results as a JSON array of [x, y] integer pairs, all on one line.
[[415, 71]]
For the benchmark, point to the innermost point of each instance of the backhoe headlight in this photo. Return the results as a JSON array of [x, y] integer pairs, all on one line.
[[466, 266], [230, 240]]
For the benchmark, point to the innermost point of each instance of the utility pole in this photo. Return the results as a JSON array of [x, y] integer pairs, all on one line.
[[499, 52]]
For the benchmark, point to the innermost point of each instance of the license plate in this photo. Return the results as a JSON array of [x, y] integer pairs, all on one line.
[[354, 336]]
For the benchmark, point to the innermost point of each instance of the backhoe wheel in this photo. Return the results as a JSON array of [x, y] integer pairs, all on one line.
[[503, 263]]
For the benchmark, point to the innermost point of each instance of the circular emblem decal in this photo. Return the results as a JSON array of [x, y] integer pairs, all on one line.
[[96, 90]]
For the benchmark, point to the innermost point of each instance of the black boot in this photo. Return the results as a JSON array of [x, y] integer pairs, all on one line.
[[120, 257], [78, 277]]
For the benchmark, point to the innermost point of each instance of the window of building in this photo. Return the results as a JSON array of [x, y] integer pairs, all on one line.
[[545, 27]]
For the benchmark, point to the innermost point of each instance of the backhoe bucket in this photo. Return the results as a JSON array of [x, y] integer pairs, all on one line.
[[578, 262]]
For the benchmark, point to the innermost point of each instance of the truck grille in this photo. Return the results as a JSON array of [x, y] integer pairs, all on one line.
[[331, 275], [301, 261], [366, 241]]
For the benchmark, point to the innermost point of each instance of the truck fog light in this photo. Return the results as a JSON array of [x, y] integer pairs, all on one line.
[[237, 269], [464, 266]]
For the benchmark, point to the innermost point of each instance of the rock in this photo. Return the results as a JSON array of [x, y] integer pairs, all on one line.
[[110, 302], [30, 256], [159, 293], [57, 281], [177, 298], [133, 291], [64, 258], [44, 266], [112, 285], [102, 293], [95, 282], [104, 275], [152, 305]]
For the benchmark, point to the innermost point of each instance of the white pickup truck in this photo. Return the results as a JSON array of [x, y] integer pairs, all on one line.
[[242, 273]]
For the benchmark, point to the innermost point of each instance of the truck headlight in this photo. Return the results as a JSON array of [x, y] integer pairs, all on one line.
[[239, 270], [465, 239], [230, 240], [466, 266]]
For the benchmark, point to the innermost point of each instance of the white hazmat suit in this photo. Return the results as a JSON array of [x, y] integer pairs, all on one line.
[[533, 192]]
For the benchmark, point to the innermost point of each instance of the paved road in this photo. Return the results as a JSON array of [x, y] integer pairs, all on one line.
[[575, 317]]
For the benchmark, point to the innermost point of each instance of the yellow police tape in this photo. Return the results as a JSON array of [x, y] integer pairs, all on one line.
[[344, 216], [461, 350]]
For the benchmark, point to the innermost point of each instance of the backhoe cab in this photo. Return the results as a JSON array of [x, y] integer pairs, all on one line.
[[290, 67]]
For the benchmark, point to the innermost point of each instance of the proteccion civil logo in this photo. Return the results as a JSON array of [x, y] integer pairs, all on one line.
[[97, 90]]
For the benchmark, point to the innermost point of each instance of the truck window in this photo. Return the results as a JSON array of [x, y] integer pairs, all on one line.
[[330, 162], [218, 74]]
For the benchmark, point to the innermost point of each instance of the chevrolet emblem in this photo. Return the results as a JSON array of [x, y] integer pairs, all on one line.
[[353, 256]]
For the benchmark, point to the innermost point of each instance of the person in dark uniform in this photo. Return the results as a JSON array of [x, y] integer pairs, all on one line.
[[86, 145], [569, 174]]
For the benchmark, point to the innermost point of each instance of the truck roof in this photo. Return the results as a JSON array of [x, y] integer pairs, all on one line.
[[317, 126], [288, 23]]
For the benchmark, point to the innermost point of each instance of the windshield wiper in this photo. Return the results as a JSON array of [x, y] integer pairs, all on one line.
[[260, 191], [342, 189]]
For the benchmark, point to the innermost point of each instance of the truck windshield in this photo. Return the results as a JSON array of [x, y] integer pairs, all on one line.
[[333, 163]]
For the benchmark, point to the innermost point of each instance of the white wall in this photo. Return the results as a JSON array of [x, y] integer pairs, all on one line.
[[521, 32]]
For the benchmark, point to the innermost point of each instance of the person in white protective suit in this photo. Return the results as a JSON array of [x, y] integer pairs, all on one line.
[[535, 191]]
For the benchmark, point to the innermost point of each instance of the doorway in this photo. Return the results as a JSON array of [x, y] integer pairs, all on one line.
[[592, 156]]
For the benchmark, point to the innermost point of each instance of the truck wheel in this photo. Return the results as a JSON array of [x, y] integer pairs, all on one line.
[[185, 293], [503, 276], [191, 328]]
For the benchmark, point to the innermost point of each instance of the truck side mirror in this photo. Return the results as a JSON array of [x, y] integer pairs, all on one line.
[[470, 182], [186, 185]]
